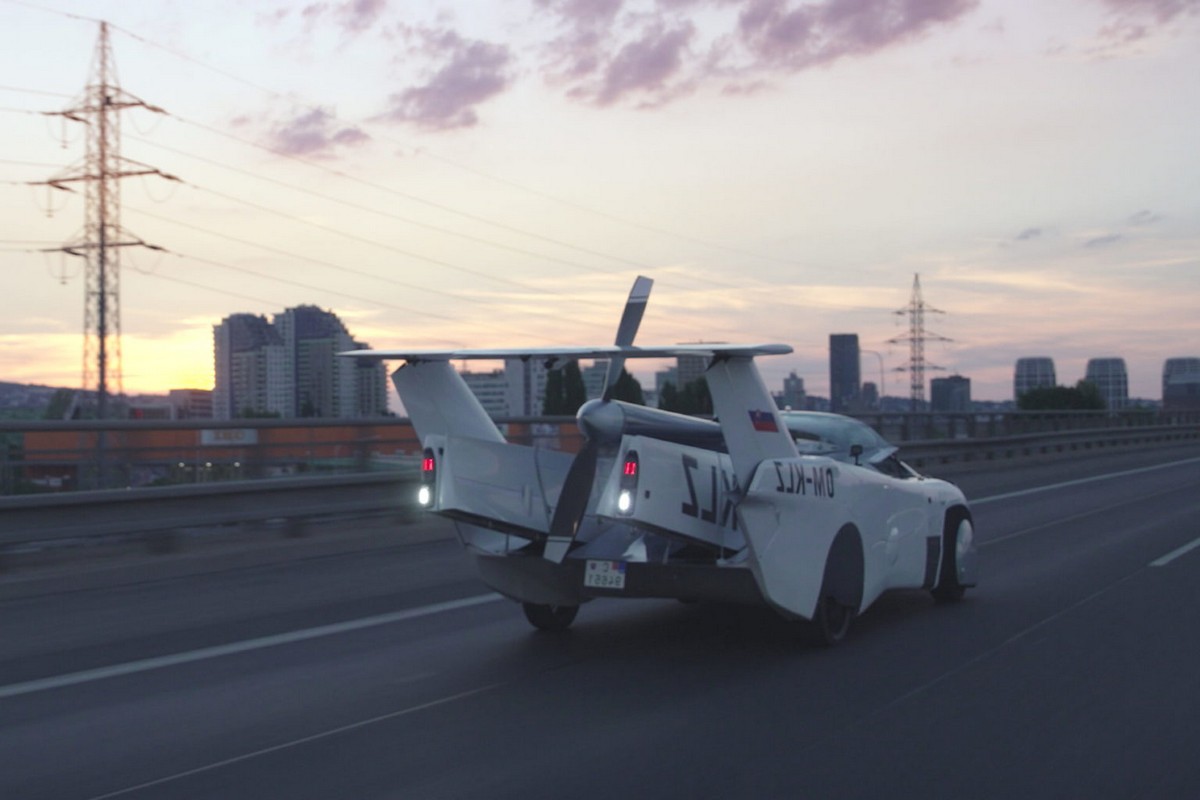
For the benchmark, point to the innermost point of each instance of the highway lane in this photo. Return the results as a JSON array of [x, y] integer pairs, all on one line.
[[1070, 672]]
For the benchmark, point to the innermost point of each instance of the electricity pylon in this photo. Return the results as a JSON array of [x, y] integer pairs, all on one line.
[[916, 338], [103, 237]]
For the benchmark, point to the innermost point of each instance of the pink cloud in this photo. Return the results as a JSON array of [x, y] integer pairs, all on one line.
[[646, 65], [1161, 10], [793, 37], [1135, 20], [472, 72], [608, 51], [353, 16], [315, 132]]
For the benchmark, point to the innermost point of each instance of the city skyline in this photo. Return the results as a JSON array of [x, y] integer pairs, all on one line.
[[477, 183]]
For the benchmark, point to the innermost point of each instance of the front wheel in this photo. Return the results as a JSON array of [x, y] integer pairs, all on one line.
[[956, 538], [549, 618]]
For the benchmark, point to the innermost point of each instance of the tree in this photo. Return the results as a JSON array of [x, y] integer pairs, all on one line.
[[695, 398], [628, 389], [565, 391], [1084, 396]]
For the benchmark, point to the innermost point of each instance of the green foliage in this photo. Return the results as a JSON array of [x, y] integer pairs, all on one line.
[[565, 391], [1084, 396], [628, 389], [694, 399]]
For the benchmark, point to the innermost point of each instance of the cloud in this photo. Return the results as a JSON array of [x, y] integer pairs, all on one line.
[[800, 36], [352, 16], [1103, 241], [1144, 217], [607, 51], [315, 132], [1162, 11], [357, 16], [471, 73], [1132, 21], [646, 65], [1029, 233]]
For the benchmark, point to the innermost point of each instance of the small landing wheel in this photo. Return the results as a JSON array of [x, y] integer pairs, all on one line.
[[549, 618]]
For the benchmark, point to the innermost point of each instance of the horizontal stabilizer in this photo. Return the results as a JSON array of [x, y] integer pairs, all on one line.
[[559, 353]]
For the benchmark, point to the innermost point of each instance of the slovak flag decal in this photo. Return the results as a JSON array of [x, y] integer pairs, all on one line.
[[763, 421]]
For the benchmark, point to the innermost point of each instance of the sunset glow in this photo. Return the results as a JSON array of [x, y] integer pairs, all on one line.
[[448, 176]]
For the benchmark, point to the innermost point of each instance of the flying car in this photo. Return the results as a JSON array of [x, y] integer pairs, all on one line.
[[812, 514]]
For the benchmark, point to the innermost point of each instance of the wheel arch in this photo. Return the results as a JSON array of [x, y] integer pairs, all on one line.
[[845, 568]]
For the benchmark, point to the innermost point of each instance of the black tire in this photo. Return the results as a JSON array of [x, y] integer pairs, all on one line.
[[832, 620], [549, 618], [948, 589], [841, 588]]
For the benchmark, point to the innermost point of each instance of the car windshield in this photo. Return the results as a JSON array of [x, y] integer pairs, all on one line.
[[833, 435]]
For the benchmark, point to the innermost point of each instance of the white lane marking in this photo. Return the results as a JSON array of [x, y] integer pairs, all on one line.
[[302, 740], [1174, 554], [1079, 482], [146, 664], [1091, 512]]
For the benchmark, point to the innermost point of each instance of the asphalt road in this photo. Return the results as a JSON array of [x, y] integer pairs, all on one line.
[[1072, 671]]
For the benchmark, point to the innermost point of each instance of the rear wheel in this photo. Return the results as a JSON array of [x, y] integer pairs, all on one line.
[[956, 529], [549, 618], [833, 620], [841, 588]]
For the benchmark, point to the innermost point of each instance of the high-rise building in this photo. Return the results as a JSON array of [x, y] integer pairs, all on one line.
[[952, 393], [1033, 372], [526, 386], [845, 378], [593, 378], [793, 392], [289, 368], [870, 395], [248, 355], [1110, 377], [689, 368], [491, 389], [324, 385], [1181, 384]]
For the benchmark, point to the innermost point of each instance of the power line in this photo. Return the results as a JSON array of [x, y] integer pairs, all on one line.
[[369, 210], [422, 151], [327, 264]]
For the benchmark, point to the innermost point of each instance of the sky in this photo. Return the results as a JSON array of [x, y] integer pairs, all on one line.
[[496, 174]]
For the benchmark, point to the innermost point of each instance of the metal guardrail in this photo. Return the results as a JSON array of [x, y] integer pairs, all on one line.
[[933, 453], [76, 515], [46, 518], [38, 456]]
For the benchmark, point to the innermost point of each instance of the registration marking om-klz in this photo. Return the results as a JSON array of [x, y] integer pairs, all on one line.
[[708, 512], [795, 479]]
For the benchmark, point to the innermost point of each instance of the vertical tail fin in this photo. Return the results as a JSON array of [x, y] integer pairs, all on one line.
[[749, 421], [438, 401]]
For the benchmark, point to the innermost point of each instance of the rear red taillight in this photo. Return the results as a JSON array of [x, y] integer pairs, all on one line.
[[627, 488], [428, 478]]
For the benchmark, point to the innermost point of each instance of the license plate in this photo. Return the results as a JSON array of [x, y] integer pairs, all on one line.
[[604, 574]]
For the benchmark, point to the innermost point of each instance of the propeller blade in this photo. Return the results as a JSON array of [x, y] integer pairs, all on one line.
[[631, 320], [577, 487], [572, 502]]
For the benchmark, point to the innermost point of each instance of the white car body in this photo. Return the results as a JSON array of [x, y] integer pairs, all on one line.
[[729, 511]]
